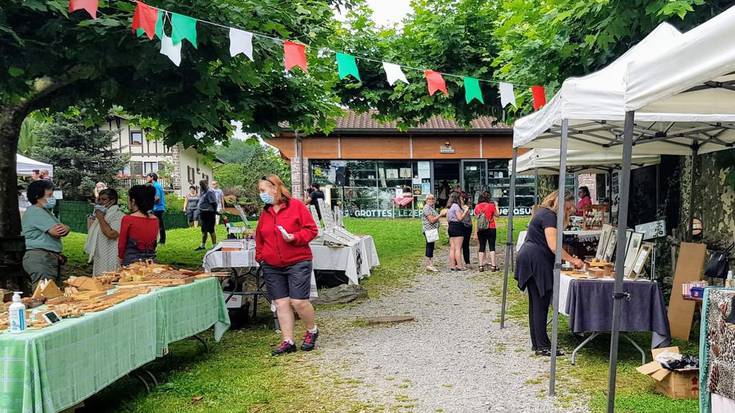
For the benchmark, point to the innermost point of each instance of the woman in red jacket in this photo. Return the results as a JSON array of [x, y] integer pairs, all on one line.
[[282, 238]]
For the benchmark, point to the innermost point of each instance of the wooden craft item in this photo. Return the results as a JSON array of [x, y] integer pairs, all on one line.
[[689, 268], [86, 284], [48, 290]]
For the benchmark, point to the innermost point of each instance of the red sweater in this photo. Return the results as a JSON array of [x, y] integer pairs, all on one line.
[[271, 248], [142, 231]]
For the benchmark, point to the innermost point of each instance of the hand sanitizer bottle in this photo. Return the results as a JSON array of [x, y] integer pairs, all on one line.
[[17, 314]]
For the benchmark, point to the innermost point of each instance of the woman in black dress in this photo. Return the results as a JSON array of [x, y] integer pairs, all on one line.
[[535, 267]]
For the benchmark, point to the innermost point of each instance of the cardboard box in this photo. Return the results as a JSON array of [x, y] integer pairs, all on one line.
[[677, 384], [237, 301]]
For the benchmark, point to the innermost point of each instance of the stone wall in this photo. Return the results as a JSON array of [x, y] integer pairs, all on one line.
[[714, 197]]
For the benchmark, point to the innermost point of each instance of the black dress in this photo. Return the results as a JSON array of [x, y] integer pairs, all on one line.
[[535, 260]]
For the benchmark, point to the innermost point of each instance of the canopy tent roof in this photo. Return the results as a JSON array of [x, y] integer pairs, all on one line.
[[25, 166], [546, 161], [595, 104]]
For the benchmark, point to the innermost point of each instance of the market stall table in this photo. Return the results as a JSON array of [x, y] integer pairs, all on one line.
[[356, 260], [59, 366], [588, 304]]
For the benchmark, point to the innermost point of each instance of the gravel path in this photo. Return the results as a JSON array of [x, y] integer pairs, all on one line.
[[453, 358]]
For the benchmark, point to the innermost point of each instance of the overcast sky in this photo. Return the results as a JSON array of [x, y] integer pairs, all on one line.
[[389, 11]]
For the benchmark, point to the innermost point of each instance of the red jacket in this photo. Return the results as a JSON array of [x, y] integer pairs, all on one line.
[[271, 248]]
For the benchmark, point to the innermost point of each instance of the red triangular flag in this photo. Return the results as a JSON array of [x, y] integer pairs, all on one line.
[[145, 18], [89, 5], [435, 81], [539, 97], [294, 54]]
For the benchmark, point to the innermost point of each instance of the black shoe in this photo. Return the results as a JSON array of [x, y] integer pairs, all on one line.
[[546, 352], [309, 341], [200, 248], [284, 348]]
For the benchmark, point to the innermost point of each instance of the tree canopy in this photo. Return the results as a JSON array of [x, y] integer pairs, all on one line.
[[50, 60]]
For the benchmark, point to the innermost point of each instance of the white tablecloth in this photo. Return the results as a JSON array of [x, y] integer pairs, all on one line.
[[356, 260], [244, 258]]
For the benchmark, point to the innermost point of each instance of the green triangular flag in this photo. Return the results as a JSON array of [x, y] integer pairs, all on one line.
[[183, 27], [347, 65], [472, 90], [159, 26]]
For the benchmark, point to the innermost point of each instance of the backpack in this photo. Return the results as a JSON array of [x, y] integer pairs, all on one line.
[[717, 265], [482, 222]]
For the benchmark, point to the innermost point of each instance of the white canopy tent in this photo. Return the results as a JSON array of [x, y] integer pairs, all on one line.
[[25, 166], [680, 87], [546, 162]]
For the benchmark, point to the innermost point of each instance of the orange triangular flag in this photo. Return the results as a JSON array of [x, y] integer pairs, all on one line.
[[294, 54], [435, 81]]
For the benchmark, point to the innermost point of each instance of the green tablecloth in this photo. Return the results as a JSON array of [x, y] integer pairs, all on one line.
[[54, 368], [190, 309]]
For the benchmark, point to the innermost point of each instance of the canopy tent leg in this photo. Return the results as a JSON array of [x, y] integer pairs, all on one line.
[[509, 242], [557, 260], [535, 187], [619, 295]]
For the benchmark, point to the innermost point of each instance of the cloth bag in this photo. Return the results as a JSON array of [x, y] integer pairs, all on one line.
[[432, 235], [717, 265]]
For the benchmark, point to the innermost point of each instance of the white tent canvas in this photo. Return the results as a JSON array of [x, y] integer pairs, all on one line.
[[25, 166], [546, 162]]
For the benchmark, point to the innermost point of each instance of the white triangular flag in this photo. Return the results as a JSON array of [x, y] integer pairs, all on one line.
[[173, 51], [506, 94], [394, 73], [241, 42]]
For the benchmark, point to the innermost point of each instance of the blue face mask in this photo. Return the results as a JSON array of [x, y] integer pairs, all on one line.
[[266, 198], [50, 203]]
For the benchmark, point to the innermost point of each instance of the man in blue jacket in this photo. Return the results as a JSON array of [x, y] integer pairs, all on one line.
[[159, 207]]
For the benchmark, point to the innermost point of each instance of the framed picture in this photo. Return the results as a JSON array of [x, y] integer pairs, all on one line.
[[604, 239], [643, 253], [610, 247], [631, 254]]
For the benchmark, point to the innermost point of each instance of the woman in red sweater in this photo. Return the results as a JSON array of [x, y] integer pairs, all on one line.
[[282, 238], [139, 230]]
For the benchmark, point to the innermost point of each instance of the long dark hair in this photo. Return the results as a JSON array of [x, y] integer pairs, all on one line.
[[144, 197], [453, 199], [585, 191], [484, 197]]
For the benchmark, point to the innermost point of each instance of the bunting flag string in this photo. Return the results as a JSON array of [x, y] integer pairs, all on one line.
[[150, 21], [472, 90], [346, 66], [394, 73], [539, 97], [435, 82], [294, 55], [241, 42]]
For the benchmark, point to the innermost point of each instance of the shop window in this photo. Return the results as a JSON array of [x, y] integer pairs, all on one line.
[[136, 137]]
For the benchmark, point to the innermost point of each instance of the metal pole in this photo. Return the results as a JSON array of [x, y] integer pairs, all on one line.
[[619, 295], [535, 188], [509, 241], [557, 260]]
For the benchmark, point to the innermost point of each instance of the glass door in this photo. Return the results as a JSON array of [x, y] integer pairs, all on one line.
[[473, 178]]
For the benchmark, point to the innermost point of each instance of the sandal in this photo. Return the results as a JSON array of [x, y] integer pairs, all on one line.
[[482, 268]]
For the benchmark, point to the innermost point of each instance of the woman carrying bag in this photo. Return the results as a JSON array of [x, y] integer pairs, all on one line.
[[430, 221]]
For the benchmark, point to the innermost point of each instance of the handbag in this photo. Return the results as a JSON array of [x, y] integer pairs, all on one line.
[[432, 235], [717, 265]]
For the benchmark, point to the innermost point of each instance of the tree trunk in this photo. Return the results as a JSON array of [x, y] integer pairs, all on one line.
[[12, 245]]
